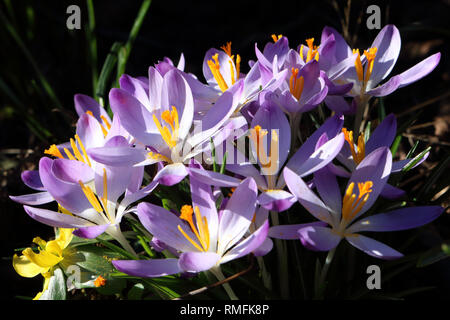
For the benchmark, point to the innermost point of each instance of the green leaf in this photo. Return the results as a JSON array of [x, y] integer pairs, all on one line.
[[432, 256], [395, 145], [415, 160], [136, 292], [108, 66], [113, 286], [56, 288], [94, 259], [381, 110], [367, 132]]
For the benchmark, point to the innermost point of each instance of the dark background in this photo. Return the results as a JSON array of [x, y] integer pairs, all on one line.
[[192, 27]]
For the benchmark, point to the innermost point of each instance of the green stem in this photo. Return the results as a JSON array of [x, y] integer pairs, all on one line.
[[361, 110], [217, 272], [267, 279], [92, 45], [323, 275], [283, 270]]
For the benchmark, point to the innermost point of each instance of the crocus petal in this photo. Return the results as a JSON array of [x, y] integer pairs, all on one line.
[[342, 50], [373, 248], [339, 104], [133, 197], [118, 156], [420, 70], [91, 232], [135, 118], [278, 49], [400, 219], [171, 174], [276, 200], [269, 117], [176, 92], [290, 231], [237, 215], [306, 197], [375, 167], [135, 88], [384, 134], [386, 88], [249, 244], [164, 224], [148, 268], [202, 198], [391, 192], [318, 238], [321, 157], [154, 89], [213, 178], [32, 179], [388, 45], [55, 219], [328, 188], [197, 261], [84, 103], [68, 193], [90, 132], [33, 199], [218, 115], [264, 248], [331, 127]]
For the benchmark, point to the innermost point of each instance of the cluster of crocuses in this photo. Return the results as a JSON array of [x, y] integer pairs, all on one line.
[[249, 123]]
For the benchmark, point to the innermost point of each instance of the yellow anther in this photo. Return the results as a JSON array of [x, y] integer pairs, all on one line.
[[63, 210], [370, 55], [159, 157], [171, 118], [360, 152], [201, 231], [312, 53], [215, 70], [108, 125], [83, 149], [76, 152], [358, 65], [69, 155], [227, 48], [238, 66], [351, 204], [91, 197], [296, 84], [54, 151], [269, 162], [276, 38]]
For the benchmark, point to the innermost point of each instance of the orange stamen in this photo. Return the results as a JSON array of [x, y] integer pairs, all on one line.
[[352, 205], [54, 151], [100, 282]]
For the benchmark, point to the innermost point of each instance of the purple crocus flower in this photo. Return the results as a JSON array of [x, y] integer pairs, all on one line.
[[353, 152], [221, 70], [93, 130], [169, 104], [270, 126], [343, 214], [202, 237], [87, 198], [379, 60]]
